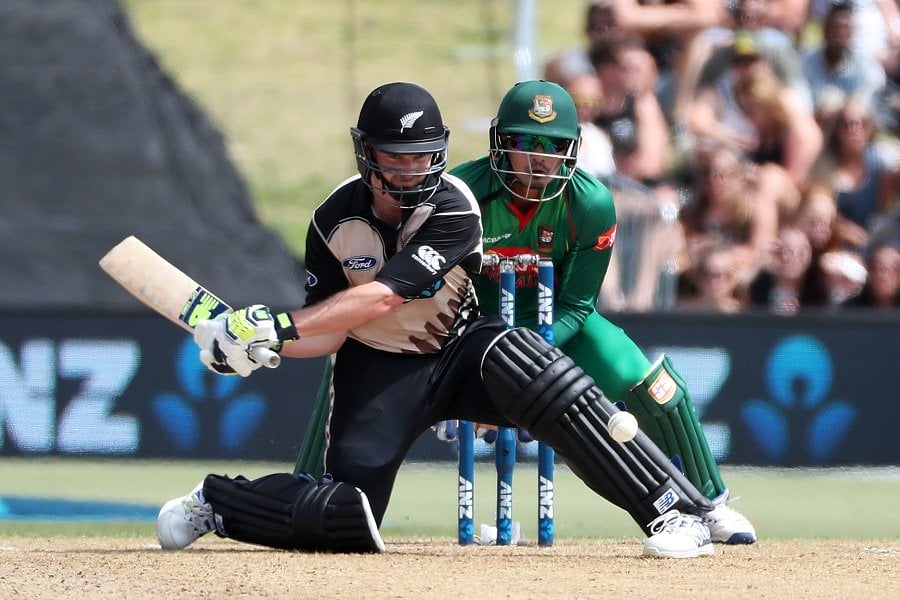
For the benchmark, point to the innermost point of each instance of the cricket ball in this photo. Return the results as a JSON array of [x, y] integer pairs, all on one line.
[[622, 426]]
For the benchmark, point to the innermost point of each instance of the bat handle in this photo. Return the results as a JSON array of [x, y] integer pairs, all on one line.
[[268, 358]]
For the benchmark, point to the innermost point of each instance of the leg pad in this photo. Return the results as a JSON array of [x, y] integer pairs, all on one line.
[[540, 389], [663, 406], [294, 512]]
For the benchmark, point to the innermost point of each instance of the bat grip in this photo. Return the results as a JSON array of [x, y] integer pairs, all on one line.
[[268, 358]]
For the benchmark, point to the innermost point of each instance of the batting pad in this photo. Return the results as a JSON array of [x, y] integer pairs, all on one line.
[[294, 512], [541, 390]]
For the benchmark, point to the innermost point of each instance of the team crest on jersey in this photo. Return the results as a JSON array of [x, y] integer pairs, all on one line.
[[663, 389], [606, 239], [545, 240], [359, 263], [542, 109]]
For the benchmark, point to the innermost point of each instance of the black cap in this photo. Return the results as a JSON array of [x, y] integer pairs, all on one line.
[[402, 118]]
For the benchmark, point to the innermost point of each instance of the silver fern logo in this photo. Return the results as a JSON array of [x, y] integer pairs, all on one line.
[[409, 119]]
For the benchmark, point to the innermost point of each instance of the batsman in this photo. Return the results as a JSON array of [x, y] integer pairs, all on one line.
[[392, 256]]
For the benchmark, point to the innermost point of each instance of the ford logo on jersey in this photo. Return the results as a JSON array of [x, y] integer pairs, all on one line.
[[359, 263]]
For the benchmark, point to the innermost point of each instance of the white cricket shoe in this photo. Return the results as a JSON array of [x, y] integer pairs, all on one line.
[[678, 535], [728, 526], [183, 520]]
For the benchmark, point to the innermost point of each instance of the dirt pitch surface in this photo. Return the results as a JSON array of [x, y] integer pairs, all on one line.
[[119, 568]]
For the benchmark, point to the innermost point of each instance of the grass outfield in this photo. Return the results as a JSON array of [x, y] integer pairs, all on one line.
[[284, 81], [784, 504]]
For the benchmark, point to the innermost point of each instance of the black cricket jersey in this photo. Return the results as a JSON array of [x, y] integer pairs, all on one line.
[[430, 259]]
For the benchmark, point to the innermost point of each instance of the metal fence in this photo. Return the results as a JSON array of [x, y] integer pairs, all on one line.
[[642, 275]]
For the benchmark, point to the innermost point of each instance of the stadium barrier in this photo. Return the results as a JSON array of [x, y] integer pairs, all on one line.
[[808, 390]]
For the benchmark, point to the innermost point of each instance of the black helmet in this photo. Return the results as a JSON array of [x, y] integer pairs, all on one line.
[[401, 118]]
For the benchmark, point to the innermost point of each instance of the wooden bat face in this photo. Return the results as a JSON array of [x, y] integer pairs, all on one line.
[[160, 285], [166, 289]]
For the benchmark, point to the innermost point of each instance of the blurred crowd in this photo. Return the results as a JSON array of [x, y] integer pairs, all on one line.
[[762, 138]]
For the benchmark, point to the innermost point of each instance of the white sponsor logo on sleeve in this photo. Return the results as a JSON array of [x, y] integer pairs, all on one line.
[[429, 258]]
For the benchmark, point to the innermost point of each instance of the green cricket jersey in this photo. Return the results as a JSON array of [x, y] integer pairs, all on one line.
[[577, 230]]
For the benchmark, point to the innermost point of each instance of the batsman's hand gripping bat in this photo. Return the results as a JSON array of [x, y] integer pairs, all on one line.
[[163, 287]]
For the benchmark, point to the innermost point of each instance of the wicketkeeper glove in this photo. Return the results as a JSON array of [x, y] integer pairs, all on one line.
[[489, 434], [239, 342], [448, 431]]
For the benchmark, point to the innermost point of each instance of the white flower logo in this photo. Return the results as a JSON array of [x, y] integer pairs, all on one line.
[[409, 119]]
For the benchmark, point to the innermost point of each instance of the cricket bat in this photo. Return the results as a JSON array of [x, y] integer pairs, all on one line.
[[166, 289]]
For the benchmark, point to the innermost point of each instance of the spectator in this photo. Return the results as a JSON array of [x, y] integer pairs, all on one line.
[[876, 23], [727, 209], [753, 26], [882, 289], [717, 283], [861, 170], [836, 69], [631, 117], [780, 286], [817, 217], [668, 30], [785, 134], [599, 21], [630, 112], [595, 155], [715, 114]]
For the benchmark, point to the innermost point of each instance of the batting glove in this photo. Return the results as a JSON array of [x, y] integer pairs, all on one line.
[[240, 342]]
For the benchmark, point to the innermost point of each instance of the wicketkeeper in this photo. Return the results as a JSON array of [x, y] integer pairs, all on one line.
[[392, 256], [534, 200]]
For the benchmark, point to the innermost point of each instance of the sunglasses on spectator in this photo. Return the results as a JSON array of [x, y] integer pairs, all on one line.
[[744, 61], [523, 142]]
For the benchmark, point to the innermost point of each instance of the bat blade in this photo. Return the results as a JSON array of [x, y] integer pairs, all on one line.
[[166, 289]]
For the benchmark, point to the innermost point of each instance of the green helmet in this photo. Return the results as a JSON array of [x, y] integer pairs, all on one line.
[[538, 108], [535, 114]]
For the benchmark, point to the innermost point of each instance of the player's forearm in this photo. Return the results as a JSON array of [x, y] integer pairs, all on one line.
[[688, 16], [315, 345], [347, 309]]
